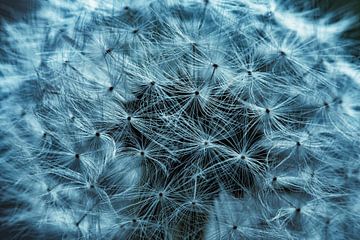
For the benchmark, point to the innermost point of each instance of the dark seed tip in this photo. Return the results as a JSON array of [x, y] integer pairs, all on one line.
[[109, 50]]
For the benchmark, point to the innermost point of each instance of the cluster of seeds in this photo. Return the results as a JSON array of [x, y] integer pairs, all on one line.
[[185, 119]]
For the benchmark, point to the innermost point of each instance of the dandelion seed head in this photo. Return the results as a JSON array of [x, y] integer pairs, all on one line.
[[190, 119]]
